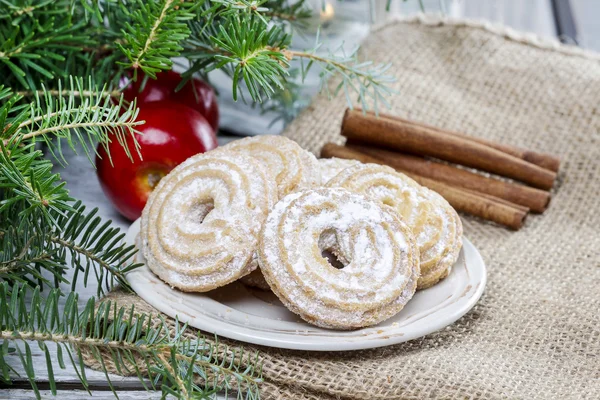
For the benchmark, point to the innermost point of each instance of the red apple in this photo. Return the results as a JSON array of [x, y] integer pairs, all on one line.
[[196, 94], [172, 133]]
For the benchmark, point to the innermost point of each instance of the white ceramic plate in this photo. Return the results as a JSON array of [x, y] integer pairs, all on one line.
[[255, 316]]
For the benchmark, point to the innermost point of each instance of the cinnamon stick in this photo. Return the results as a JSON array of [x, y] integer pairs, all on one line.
[[495, 199], [393, 134], [535, 199], [544, 160], [488, 208]]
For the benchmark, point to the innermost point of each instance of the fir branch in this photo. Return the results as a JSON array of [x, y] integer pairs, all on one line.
[[28, 8], [73, 239], [39, 42], [56, 93], [265, 10], [93, 246], [23, 253], [202, 47], [369, 82], [270, 60], [154, 34], [252, 51], [294, 13], [26, 177], [73, 118], [187, 367], [235, 7]]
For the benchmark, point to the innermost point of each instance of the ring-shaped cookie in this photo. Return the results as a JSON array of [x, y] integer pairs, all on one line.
[[200, 226], [435, 224], [377, 248]]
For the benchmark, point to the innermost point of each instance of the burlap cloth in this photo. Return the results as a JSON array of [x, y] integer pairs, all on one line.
[[536, 331]]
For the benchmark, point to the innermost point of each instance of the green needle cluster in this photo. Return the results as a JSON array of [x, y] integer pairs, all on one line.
[[165, 358]]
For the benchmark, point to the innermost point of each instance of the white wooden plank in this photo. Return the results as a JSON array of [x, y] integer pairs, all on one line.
[[586, 14], [528, 16], [22, 394], [67, 375]]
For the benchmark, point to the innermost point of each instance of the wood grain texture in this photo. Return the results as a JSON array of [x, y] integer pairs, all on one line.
[[23, 394]]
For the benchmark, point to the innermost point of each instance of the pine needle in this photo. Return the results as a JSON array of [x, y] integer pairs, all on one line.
[[187, 365]]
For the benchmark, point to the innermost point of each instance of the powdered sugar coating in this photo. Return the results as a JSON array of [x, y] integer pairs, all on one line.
[[200, 226], [293, 167], [330, 167], [382, 259], [434, 222]]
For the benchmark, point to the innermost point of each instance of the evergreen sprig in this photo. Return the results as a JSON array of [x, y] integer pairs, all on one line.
[[367, 81], [72, 239], [236, 7], [80, 114], [257, 53], [154, 34], [136, 35], [162, 357], [91, 246], [255, 58], [24, 52], [25, 257], [41, 41], [25, 176], [295, 13], [41, 225], [27, 180]]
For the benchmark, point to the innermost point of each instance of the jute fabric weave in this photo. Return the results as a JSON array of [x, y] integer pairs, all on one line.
[[536, 331]]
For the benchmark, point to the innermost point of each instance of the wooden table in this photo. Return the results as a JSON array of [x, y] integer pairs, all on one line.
[[535, 16]]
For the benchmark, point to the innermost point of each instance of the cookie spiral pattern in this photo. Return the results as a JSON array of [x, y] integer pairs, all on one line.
[[330, 167], [200, 226], [378, 250], [294, 168], [435, 224]]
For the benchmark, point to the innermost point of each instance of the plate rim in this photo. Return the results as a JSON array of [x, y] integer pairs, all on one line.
[[211, 325]]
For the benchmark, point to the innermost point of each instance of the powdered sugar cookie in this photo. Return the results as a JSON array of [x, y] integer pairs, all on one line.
[[378, 250], [200, 226], [293, 167], [434, 222]]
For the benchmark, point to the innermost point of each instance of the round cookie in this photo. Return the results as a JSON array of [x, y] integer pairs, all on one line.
[[434, 222], [329, 168], [378, 250], [293, 167], [200, 226]]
